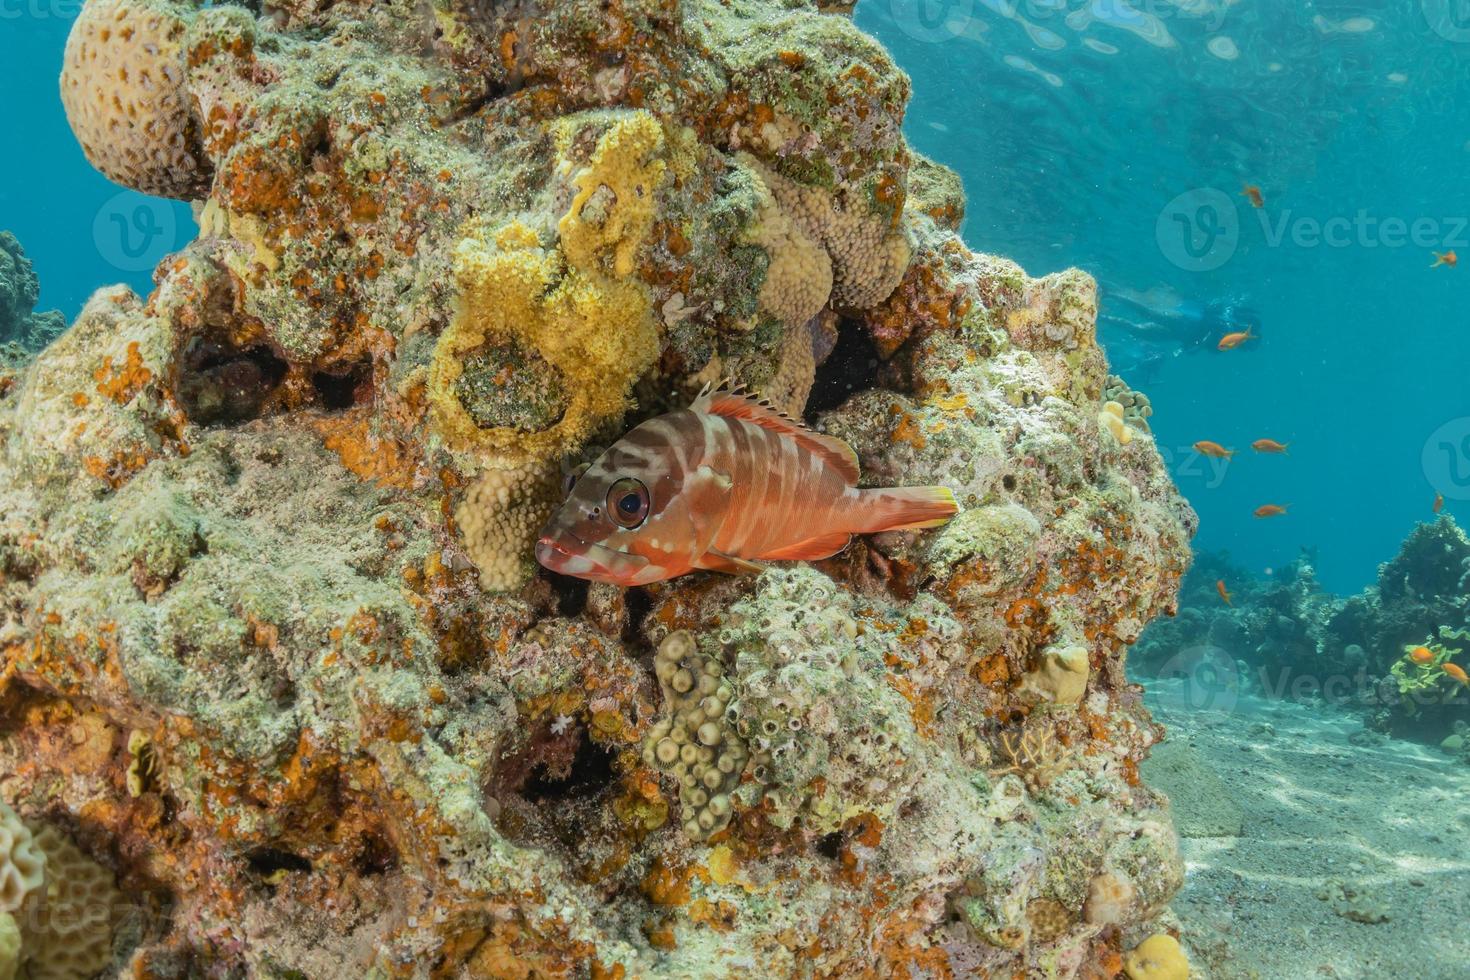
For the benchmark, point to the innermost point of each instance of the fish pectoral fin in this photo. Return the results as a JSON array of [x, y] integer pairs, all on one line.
[[718, 561], [811, 549]]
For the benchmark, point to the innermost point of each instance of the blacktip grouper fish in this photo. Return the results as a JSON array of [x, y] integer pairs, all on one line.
[[725, 485]]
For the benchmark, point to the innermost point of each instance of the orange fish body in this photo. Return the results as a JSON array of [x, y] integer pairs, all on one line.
[[1233, 340], [724, 485], [1269, 446], [1421, 655], [1438, 502], [1445, 258], [1224, 592], [1455, 672], [1213, 449], [1253, 194], [1270, 510]]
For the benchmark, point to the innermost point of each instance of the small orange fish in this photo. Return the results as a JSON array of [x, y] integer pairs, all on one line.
[[1224, 592], [1456, 672], [724, 485], [1233, 340], [1269, 446], [1421, 655], [1213, 449], [1438, 502], [1270, 510], [1252, 193], [1446, 258]]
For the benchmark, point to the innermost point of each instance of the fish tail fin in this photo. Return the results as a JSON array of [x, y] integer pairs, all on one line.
[[906, 508]]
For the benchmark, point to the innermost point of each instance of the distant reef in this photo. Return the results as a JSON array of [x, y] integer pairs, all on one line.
[[276, 653], [22, 330], [1384, 651]]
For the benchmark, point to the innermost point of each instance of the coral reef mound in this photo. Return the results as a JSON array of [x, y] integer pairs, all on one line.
[[22, 330], [272, 635]]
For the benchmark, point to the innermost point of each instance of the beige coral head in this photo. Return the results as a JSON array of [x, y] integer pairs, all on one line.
[[22, 863], [1159, 957], [122, 84], [72, 940]]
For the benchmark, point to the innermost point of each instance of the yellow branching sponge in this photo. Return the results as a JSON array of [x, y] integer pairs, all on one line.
[[122, 84], [612, 214], [577, 312]]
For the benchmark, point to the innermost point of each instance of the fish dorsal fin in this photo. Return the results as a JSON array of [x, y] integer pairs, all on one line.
[[734, 403]]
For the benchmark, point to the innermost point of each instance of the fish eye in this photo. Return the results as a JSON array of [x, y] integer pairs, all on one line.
[[627, 503]]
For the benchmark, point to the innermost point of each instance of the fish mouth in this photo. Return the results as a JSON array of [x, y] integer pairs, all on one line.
[[566, 554]]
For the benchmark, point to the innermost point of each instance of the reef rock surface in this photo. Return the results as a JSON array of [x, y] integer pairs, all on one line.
[[274, 648]]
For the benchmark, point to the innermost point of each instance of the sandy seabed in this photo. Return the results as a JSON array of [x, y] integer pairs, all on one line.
[[1310, 855]]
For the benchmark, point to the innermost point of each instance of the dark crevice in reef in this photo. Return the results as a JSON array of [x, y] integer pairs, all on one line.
[[375, 857], [591, 771], [850, 368], [639, 604], [266, 861], [341, 386], [571, 593], [830, 845], [221, 385]]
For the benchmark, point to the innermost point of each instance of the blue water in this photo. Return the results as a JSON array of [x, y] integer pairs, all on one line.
[[1075, 124], [80, 230]]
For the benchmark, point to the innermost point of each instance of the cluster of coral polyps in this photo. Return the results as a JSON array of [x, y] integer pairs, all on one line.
[[275, 651]]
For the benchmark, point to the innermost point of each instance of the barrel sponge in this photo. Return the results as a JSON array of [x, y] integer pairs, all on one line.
[[73, 940], [1159, 957], [122, 84], [9, 946], [499, 518], [22, 863], [597, 331], [868, 252]]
